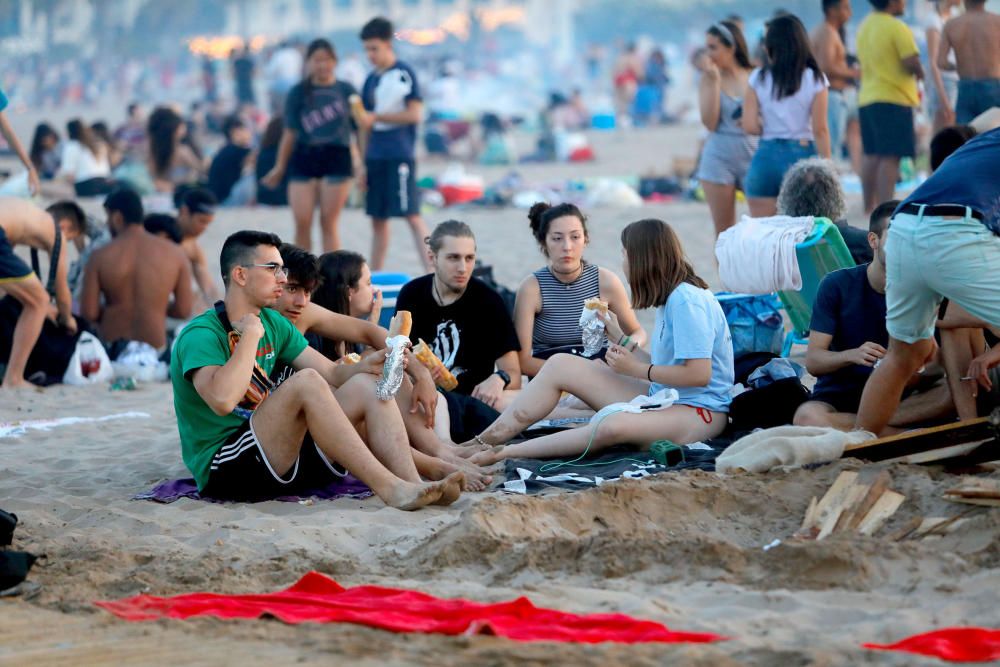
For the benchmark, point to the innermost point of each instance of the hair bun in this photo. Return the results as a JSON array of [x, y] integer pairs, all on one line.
[[536, 212]]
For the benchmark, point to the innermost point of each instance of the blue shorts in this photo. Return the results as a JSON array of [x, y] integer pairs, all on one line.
[[12, 268], [929, 257], [976, 96], [392, 189], [774, 157], [837, 111]]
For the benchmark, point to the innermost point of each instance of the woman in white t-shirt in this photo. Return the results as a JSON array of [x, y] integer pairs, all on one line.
[[85, 161], [785, 104], [941, 87]]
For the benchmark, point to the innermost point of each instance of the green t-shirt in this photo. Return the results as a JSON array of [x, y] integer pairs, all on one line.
[[203, 342]]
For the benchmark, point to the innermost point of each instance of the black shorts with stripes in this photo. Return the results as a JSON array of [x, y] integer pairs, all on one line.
[[240, 470]]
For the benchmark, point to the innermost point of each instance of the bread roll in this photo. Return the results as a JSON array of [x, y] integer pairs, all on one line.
[[596, 304], [426, 356], [401, 323], [352, 358]]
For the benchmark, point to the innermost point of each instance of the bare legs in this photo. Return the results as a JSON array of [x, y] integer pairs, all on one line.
[[879, 174], [958, 348], [935, 403], [380, 241], [722, 203], [304, 402], [762, 207], [34, 302], [331, 197], [885, 387]]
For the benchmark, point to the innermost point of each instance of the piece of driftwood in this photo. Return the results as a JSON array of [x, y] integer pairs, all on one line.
[[850, 506], [984, 432]]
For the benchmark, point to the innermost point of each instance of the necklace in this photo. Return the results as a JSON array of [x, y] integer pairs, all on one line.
[[568, 284], [437, 294]]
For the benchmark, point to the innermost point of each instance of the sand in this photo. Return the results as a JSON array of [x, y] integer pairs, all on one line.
[[685, 549]]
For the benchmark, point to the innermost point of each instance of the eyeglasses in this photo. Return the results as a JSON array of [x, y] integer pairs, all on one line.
[[279, 270]]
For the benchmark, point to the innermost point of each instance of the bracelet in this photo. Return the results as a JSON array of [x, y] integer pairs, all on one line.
[[649, 374], [621, 338], [625, 342]]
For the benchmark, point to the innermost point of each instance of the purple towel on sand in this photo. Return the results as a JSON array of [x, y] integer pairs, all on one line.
[[175, 489]]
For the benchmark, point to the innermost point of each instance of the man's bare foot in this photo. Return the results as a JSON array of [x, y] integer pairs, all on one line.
[[452, 488], [488, 457], [12, 384], [467, 449]]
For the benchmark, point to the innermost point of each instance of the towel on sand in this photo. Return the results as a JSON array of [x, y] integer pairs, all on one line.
[[175, 489], [787, 446], [320, 599], [954, 644]]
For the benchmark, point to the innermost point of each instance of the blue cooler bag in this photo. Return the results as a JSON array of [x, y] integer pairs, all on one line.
[[755, 322]]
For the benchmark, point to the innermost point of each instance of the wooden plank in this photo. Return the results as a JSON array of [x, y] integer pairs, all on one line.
[[925, 440], [907, 529], [851, 497], [880, 512], [850, 520], [984, 502], [832, 502], [950, 431], [810, 517]]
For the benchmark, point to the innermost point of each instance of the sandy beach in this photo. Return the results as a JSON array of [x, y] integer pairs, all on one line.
[[684, 549]]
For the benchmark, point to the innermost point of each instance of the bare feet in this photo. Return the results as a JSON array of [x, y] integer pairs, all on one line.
[[476, 478], [467, 449], [452, 488], [12, 384], [488, 457]]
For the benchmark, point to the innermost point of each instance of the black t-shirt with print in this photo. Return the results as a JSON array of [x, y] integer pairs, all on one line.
[[321, 115], [468, 335]]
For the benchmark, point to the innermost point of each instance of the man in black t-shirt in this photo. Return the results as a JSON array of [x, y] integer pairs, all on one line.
[[463, 320], [848, 338], [228, 165]]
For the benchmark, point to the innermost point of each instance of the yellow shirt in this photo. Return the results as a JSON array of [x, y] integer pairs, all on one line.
[[883, 43]]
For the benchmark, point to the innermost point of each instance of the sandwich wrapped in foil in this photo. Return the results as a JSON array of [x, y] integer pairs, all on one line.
[[392, 372], [593, 332]]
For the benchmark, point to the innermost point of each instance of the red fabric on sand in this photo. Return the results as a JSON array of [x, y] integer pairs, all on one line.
[[954, 644], [320, 599]]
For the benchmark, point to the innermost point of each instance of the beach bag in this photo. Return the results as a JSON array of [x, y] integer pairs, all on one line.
[[90, 363], [769, 406], [755, 322]]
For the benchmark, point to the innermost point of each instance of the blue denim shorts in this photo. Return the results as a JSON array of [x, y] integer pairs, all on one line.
[[773, 158], [976, 96], [929, 257]]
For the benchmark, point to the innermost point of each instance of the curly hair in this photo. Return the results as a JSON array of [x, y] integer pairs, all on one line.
[[812, 187]]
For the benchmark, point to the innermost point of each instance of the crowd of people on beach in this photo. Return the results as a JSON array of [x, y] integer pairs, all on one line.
[[276, 382]]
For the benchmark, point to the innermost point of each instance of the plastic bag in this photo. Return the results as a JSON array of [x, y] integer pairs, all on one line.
[[593, 332], [89, 364]]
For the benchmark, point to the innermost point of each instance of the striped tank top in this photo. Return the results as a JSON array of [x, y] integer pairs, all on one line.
[[558, 324]]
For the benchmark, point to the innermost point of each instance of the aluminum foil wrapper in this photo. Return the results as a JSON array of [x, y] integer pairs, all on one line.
[[593, 332], [392, 372]]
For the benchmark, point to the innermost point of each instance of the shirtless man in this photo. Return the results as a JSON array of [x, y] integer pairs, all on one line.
[[831, 54], [23, 223], [196, 213], [136, 273], [975, 37]]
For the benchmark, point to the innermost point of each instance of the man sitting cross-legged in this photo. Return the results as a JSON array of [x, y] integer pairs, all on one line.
[[417, 397], [848, 337], [242, 438]]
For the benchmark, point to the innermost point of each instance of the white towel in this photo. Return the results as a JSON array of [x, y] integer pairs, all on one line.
[[757, 255], [764, 450]]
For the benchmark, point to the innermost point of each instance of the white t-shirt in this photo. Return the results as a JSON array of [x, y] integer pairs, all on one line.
[[933, 21], [789, 117], [79, 161]]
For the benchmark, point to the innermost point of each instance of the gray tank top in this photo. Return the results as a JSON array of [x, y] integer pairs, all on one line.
[[728, 106]]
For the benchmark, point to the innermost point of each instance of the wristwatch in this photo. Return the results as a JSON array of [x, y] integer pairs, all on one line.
[[503, 376]]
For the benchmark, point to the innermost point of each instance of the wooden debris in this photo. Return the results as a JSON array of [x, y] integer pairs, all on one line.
[[977, 440], [851, 507], [976, 491]]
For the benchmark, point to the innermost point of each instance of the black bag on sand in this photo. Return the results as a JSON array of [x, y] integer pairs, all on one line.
[[773, 405], [14, 565], [8, 522]]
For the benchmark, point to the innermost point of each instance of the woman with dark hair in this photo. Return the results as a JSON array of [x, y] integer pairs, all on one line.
[[346, 288], [316, 147], [549, 301], [785, 104], [728, 150], [171, 161], [683, 383], [103, 134], [267, 157], [44, 151], [85, 161]]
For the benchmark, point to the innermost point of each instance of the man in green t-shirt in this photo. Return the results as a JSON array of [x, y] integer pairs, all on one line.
[[242, 438]]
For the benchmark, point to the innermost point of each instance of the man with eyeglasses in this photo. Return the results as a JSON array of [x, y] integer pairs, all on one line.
[[243, 438], [132, 284]]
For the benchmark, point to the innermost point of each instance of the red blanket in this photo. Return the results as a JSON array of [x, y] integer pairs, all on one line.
[[320, 599], [955, 644]]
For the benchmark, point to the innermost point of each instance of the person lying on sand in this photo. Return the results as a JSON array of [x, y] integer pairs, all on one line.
[[23, 223], [244, 439], [417, 397], [691, 352]]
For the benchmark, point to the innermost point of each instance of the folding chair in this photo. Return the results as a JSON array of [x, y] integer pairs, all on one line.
[[818, 254], [390, 284]]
